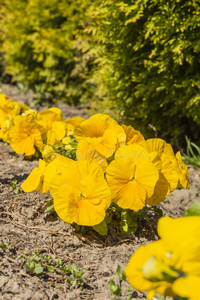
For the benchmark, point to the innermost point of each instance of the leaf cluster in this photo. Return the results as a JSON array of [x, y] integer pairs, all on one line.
[[37, 263], [5, 246], [127, 219], [14, 186]]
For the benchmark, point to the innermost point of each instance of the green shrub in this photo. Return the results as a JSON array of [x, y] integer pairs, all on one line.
[[149, 60], [41, 46]]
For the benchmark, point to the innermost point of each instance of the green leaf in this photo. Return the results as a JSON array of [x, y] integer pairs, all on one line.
[[114, 288], [120, 272], [38, 269], [80, 274], [69, 280], [128, 221], [67, 269], [74, 269], [159, 297], [108, 218], [74, 283], [158, 211], [49, 206], [49, 209], [50, 268], [101, 228], [193, 210], [130, 289], [5, 246]]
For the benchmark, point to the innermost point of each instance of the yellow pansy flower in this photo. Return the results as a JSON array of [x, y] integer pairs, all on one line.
[[77, 201], [35, 179], [59, 128], [75, 121], [155, 144], [132, 136], [56, 166], [58, 112], [47, 117], [146, 274], [187, 287], [181, 240], [165, 151], [24, 136], [131, 177], [40, 178], [168, 169], [10, 108], [182, 172], [85, 150], [47, 150], [48, 153], [167, 182], [105, 133], [30, 114], [5, 128], [72, 123], [169, 265], [6, 107], [51, 114], [19, 108], [66, 141]]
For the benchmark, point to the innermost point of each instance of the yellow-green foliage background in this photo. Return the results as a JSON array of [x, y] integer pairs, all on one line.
[[143, 55], [41, 45]]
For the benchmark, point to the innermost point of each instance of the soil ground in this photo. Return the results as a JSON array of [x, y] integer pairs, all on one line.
[[26, 228]]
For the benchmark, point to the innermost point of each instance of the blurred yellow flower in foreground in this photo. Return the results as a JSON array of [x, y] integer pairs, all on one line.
[[170, 266], [188, 287], [81, 193]]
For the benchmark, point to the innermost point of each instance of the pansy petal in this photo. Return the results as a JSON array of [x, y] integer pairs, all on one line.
[[32, 181], [187, 287]]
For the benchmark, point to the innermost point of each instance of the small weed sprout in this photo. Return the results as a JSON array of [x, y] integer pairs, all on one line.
[[117, 288], [15, 188], [36, 263], [5, 246]]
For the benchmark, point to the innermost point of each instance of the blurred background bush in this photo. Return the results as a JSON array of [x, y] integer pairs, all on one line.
[[40, 42], [140, 57]]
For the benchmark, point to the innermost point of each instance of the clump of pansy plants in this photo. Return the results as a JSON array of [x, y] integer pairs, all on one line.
[[94, 168]]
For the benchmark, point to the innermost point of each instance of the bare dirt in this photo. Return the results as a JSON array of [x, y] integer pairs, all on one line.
[[26, 228]]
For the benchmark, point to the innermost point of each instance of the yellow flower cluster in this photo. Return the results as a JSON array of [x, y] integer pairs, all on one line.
[[170, 266], [112, 162], [28, 131]]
